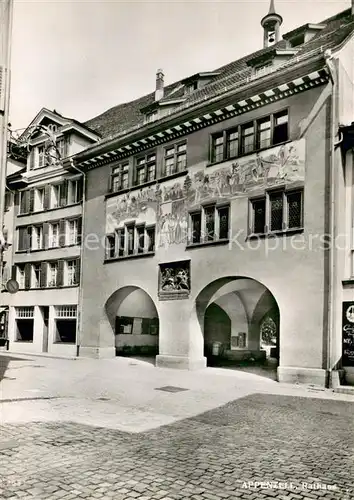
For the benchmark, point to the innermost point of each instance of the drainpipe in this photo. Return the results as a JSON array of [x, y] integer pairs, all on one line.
[[332, 207], [83, 174]]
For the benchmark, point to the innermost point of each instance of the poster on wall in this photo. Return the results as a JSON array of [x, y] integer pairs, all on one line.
[[348, 334]]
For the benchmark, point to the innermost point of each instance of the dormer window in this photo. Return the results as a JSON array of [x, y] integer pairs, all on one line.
[[151, 117], [41, 157], [263, 70]]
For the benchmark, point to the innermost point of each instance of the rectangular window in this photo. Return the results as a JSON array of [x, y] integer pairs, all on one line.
[[150, 235], [264, 132], [145, 168], [209, 214], [73, 232], [247, 138], [210, 224], [175, 159], [217, 148], [110, 246], [23, 239], [232, 139], [196, 220], [52, 274], [70, 273], [20, 275], [55, 196], [259, 216], [53, 235], [38, 199], [36, 275], [281, 132], [130, 236], [120, 177], [41, 157], [24, 324], [121, 242], [140, 231], [74, 191], [24, 202], [277, 211], [37, 238]]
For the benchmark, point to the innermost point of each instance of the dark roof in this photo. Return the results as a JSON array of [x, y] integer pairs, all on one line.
[[127, 116]]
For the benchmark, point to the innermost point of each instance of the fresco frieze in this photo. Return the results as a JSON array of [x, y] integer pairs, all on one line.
[[167, 204]]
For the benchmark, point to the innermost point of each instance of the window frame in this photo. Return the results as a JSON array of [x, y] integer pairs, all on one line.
[[226, 133], [204, 237], [117, 172], [286, 194], [145, 167], [114, 250], [175, 155]]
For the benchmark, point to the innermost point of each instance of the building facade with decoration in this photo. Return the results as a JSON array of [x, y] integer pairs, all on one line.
[[213, 207], [43, 223]]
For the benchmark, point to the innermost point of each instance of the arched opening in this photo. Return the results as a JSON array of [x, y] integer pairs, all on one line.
[[239, 319], [135, 323]]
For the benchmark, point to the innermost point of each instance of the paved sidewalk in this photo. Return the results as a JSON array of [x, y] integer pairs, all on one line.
[[108, 429]]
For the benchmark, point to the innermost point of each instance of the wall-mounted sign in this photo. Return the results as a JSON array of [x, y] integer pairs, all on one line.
[[348, 334], [12, 286]]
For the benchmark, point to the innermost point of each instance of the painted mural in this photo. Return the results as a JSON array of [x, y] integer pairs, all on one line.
[[167, 204]]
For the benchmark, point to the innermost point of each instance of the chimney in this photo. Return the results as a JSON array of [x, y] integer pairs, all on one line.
[[159, 92]]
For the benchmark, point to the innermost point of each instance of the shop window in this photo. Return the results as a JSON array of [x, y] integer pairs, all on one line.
[[24, 324]]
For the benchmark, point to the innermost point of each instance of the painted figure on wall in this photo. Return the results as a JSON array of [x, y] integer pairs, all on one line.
[[175, 277], [167, 206]]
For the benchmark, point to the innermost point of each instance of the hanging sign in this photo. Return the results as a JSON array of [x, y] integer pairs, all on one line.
[[348, 334], [12, 286]]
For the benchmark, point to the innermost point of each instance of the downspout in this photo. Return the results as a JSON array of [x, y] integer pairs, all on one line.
[[83, 174], [331, 209]]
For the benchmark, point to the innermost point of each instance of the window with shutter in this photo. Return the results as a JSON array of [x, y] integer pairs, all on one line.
[[31, 200], [43, 278], [28, 269], [62, 233], [77, 271], [46, 198], [60, 273], [79, 231], [64, 194]]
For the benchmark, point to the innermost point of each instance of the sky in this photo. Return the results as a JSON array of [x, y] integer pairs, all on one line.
[[81, 57]]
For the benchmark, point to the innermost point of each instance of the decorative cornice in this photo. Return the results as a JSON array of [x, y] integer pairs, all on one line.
[[258, 100]]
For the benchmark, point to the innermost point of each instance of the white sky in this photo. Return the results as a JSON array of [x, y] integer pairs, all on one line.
[[82, 57]]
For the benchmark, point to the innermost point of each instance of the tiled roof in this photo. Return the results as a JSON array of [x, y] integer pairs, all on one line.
[[128, 115]]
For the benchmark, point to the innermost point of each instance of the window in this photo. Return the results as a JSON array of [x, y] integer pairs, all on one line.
[[151, 117], [36, 275], [20, 275], [74, 191], [217, 153], [38, 199], [232, 138], [66, 311], [52, 274], [212, 223], [65, 322], [281, 132], [130, 240], [37, 238], [259, 134], [73, 232], [175, 159], [53, 235], [247, 138], [262, 70], [120, 177], [264, 133], [145, 169], [8, 200], [23, 239], [24, 324], [71, 273], [41, 157], [24, 202], [277, 211], [55, 196]]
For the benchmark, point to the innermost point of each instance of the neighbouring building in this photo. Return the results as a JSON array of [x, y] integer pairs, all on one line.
[[43, 223], [211, 207]]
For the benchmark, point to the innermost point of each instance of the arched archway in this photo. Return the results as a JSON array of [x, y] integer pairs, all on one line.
[[246, 303], [134, 320]]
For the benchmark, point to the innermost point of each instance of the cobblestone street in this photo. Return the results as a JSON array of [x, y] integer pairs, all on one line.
[[299, 444]]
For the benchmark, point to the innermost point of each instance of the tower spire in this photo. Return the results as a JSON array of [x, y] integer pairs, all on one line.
[[271, 24]]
